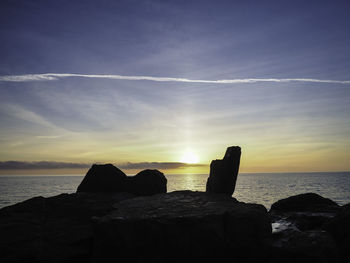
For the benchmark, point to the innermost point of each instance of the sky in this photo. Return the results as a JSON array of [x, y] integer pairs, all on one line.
[[171, 84]]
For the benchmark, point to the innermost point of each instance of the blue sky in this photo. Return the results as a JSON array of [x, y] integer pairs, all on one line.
[[281, 126]]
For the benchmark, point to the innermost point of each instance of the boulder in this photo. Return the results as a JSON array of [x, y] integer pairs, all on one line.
[[183, 226], [308, 202], [53, 230], [103, 178], [147, 182], [107, 178], [300, 234], [223, 173]]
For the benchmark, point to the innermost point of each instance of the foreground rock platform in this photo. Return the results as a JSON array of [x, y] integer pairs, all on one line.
[[183, 226], [180, 226]]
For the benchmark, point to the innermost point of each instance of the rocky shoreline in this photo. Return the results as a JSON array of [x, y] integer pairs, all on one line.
[[113, 217], [176, 226]]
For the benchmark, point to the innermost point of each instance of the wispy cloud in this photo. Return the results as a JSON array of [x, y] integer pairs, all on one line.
[[22, 165], [56, 76], [48, 136]]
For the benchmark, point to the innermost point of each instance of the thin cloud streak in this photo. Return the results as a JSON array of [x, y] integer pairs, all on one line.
[[57, 76]]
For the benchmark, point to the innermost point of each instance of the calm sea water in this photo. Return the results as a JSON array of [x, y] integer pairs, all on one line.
[[254, 188]]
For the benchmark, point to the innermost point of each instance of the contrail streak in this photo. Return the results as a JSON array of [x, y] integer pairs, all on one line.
[[56, 76]]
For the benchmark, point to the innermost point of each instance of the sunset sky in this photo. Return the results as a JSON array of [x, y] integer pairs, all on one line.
[[158, 84]]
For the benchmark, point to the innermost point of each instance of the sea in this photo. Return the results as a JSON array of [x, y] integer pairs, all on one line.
[[261, 188]]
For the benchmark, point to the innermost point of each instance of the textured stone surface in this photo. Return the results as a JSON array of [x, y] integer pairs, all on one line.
[[339, 227], [56, 229], [305, 238], [183, 226], [293, 246], [223, 173]]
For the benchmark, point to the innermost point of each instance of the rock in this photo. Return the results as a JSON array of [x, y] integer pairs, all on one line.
[[293, 246], [55, 229], [107, 178], [305, 221], [147, 182], [103, 178], [183, 226], [300, 235], [339, 227], [223, 173], [309, 202]]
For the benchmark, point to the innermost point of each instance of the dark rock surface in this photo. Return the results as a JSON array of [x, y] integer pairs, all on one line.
[[308, 202], [56, 229], [301, 234], [306, 212], [339, 227], [147, 182], [296, 246], [223, 173], [106, 178], [180, 226], [183, 226], [165, 227], [102, 178]]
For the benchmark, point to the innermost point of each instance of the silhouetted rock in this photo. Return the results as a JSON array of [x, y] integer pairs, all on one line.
[[300, 235], [53, 230], [103, 178], [147, 182], [339, 227], [223, 173], [309, 202], [183, 226], [107, 178], [305, 212]]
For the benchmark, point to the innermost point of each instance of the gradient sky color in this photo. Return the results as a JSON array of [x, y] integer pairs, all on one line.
[[287, 103]]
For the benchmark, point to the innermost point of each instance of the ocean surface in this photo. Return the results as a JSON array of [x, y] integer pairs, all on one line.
[[262, 188]]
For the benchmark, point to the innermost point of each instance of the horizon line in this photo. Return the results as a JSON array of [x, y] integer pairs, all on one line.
[[57, 76]]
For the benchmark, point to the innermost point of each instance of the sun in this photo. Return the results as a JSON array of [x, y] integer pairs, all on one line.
[[189, 157]]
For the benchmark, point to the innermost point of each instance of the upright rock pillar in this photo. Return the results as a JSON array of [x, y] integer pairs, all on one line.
[[223, 173]]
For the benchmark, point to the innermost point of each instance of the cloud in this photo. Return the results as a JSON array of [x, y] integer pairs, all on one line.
[[56, 76], [48, 136], [158, 165], [21, 165]]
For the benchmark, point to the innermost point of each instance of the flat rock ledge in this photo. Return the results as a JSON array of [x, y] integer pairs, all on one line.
[[183, 226], [179, 226]]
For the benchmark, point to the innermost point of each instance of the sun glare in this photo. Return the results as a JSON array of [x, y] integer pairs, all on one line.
[[189, 157]]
